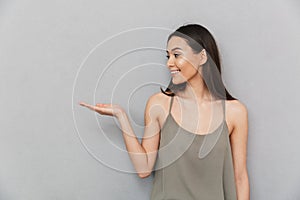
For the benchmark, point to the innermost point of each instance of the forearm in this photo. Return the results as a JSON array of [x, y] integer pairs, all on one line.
[[243, 188], [136, 152]]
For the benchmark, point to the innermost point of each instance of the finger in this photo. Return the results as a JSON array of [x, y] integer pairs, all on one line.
[[88, 106], [84, 104], [103, 105], [103, 111]]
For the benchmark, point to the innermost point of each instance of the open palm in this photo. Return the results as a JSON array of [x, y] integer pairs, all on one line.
[[104, 109]]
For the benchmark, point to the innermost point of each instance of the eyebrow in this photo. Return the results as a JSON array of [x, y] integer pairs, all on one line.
[[174, 49]]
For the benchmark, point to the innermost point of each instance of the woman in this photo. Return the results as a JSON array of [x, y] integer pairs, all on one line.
[[211, 164]]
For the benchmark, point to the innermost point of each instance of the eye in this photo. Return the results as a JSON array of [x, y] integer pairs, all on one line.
[[176, 55]]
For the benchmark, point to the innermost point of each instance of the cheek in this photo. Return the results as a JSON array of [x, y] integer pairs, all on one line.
[[186, 62], [186, 67], [181, 63]]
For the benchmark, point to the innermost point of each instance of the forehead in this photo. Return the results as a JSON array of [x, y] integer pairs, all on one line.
[[176, 41]]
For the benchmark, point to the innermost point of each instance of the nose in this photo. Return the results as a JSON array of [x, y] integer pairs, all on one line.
[[170, 62]]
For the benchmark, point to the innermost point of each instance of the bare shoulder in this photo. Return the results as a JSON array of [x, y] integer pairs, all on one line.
[[158, 100], [236, 108], [158, 97], [237, 113], [157, 106]]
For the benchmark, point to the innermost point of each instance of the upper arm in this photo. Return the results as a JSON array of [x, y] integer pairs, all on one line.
[[150, 141], [239, 138]]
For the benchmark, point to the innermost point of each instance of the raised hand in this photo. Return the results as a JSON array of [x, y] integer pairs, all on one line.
[[104, 109]]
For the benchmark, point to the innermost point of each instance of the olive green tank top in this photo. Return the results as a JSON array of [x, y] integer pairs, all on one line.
[[190, 166]]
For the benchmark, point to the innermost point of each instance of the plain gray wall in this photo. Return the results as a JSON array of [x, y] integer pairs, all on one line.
[[54, 54]]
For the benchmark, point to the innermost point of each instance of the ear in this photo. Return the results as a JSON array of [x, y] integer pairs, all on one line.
[[202, 57]]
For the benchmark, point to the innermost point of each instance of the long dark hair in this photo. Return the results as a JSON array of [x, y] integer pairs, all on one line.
[[199, 38]]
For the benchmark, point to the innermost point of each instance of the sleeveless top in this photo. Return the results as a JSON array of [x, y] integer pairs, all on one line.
[[191, 166]]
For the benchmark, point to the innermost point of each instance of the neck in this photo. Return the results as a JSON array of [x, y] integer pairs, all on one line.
[[195, 91]]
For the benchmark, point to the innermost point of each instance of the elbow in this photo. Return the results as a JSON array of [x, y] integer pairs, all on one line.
[[242, 178], [144, 172], [144, 175]]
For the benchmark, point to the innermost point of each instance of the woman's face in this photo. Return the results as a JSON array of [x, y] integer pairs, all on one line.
[[182, 62]]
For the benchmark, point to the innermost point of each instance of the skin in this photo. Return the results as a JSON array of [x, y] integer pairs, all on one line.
[[143, 156]]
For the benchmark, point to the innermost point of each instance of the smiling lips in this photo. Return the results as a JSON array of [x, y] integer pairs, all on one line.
[[174, 72]]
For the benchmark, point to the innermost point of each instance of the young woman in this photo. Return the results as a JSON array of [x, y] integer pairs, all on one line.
[[195, 131]]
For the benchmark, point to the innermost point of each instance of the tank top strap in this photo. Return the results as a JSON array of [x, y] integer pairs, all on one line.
[[172, 98], [224, 106]]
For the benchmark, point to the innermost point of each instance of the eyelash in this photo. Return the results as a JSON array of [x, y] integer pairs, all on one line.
[[175, 54]]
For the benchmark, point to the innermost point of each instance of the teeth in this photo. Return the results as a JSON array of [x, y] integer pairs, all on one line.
[[174, 72]]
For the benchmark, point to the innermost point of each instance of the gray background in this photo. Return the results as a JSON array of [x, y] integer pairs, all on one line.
[[51, 148]]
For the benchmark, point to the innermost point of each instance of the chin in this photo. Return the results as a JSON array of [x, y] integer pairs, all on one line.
[[180, 82]]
